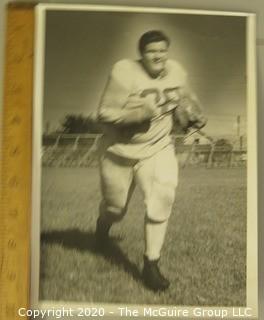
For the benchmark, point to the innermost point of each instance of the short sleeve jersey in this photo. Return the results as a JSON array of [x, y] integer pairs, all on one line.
[[143, 140]]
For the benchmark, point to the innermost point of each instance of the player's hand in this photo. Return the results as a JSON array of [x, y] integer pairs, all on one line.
[[189, 114]]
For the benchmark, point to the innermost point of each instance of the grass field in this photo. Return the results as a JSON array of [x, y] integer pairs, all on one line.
[[204, 255]]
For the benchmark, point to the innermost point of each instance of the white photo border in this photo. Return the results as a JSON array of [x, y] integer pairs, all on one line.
[[252, 200]]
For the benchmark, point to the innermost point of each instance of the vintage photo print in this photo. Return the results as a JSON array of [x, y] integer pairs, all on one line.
[[145, 177]]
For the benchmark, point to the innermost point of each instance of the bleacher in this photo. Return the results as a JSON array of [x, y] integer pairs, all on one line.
[[80, 150]]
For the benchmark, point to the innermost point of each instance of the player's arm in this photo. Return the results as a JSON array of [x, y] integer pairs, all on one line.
[[117, 105]]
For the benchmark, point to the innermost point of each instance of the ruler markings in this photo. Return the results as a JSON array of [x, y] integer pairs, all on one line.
[[16, 163]]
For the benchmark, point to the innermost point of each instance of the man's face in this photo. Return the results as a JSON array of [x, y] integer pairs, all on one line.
[[154, 57]]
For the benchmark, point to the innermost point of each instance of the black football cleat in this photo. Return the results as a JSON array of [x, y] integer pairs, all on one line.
[[152, 276]]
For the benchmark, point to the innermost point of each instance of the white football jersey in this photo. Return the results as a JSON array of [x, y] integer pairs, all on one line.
[[129, 79]]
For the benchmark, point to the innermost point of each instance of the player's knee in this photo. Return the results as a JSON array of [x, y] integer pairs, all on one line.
[[165, 197], [159, 208], [115, 213], [169, 197]]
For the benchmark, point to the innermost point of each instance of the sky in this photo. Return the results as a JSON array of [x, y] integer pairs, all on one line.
[[82, 46]]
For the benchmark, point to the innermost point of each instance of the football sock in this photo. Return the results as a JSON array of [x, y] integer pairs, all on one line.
[[154, 238]]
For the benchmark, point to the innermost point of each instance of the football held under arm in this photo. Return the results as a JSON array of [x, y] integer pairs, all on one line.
[[189, 112], [118, 105]]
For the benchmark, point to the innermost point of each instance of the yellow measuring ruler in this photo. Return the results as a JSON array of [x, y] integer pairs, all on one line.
[[16, 169]]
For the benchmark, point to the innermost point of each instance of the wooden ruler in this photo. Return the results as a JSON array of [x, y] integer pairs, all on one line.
[[15, 213]]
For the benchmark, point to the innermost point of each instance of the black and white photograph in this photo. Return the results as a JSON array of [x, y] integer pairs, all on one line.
[[145, 157]]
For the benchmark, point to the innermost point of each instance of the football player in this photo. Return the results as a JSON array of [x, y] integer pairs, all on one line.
[[137, 110]]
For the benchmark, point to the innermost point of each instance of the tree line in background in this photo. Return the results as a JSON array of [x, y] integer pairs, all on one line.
[[79, 124]]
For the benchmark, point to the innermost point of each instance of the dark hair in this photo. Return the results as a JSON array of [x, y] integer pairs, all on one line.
[[152, 36]]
